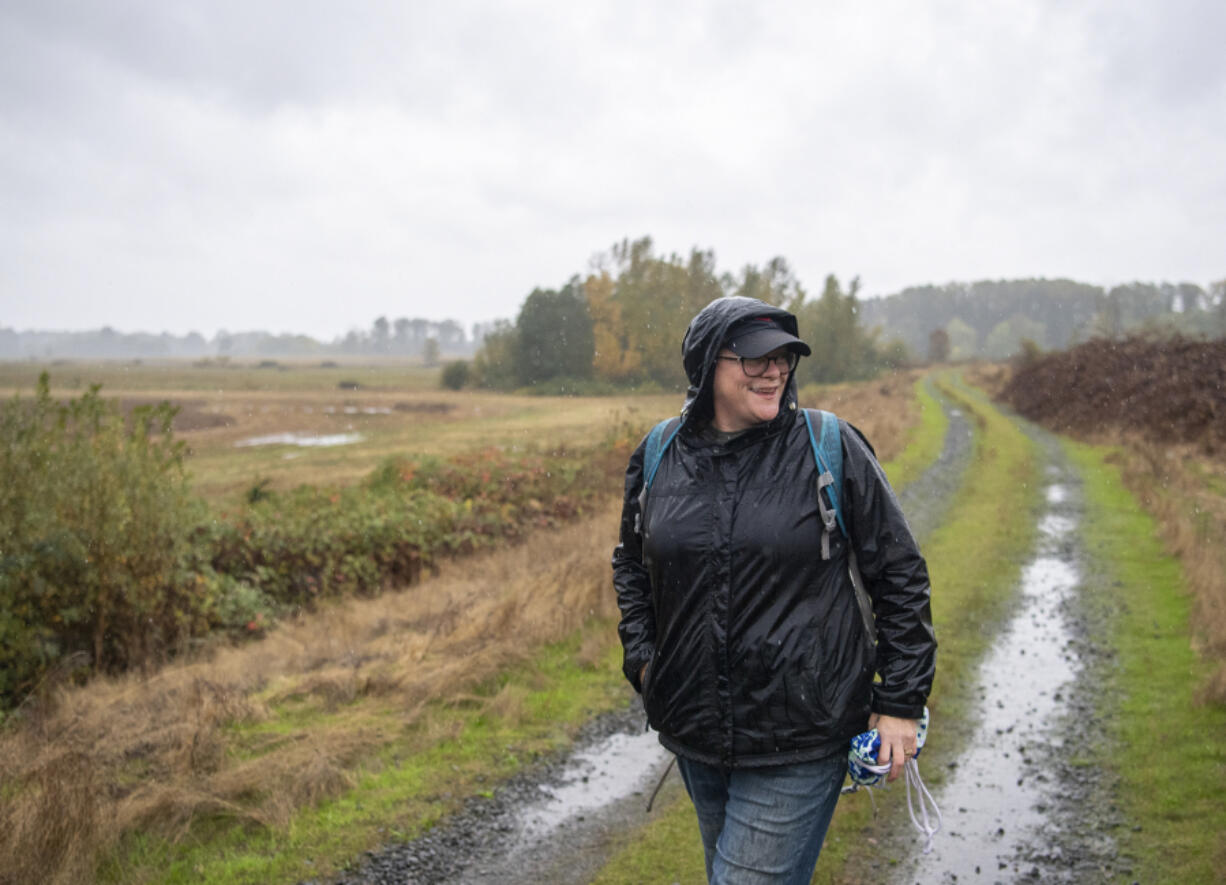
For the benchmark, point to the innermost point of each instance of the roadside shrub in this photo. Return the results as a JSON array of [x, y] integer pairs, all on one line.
[[95, 518], [455, 375], [313, 544]]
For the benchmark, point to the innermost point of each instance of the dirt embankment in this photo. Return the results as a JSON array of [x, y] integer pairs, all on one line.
[[1166, 391]]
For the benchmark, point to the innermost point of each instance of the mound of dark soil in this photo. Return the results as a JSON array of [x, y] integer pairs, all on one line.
[[1168, 391]]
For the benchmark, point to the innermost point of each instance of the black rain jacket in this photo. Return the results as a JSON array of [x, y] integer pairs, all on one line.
[[756, 649]]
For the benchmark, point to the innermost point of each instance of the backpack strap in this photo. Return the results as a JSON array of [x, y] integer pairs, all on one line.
[[658, 441], [828, 453]]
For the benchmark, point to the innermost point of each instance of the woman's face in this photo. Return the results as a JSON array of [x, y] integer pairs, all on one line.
[[741, 401]]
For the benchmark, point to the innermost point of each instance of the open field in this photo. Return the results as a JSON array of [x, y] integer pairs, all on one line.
[[182, 770], [397, 409]]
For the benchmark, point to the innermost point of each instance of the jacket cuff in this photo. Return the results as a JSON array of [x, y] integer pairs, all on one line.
[[902, 711]]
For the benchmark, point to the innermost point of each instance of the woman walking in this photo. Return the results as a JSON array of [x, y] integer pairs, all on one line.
[[740, 624]]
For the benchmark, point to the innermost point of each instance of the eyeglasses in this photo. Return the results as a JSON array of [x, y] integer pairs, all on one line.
[[756, 366]]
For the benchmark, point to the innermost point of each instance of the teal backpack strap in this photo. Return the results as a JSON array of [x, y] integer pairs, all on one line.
[[658, 441], [828, 453], [831, 445]]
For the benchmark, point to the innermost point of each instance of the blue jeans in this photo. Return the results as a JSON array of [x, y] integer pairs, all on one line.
[[764, 825]]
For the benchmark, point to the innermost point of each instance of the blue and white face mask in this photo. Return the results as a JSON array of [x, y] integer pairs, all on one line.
[[862, 757]]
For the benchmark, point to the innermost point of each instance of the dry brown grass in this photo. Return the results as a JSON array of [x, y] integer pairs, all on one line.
[[885, 409], [1185, 491], [155, 754]]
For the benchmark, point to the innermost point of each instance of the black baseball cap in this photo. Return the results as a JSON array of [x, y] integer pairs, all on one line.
[[758, 336]]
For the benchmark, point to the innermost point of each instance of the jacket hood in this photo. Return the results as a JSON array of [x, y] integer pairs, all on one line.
[[706, 335]]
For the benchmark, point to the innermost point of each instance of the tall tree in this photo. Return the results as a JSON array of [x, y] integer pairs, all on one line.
[[554, 335], [775, 284], [494, 364]]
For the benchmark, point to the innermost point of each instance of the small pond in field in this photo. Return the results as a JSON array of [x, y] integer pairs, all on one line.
[[306, 440]]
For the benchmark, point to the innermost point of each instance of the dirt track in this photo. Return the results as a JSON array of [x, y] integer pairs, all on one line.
[[1016, 805], [493, 840]]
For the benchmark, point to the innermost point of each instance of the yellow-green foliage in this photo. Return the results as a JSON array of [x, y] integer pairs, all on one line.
[[1168, 752]]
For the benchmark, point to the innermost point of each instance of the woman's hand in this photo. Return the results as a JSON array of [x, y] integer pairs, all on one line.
[[898, 741]]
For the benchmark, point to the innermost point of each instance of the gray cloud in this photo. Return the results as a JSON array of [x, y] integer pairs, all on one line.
[[308, 166]]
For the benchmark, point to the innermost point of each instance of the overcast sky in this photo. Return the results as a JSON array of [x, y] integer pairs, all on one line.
[[298, 166]]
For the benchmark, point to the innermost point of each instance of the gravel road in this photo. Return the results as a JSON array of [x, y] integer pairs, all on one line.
[[1017, 805], [1021, 804]]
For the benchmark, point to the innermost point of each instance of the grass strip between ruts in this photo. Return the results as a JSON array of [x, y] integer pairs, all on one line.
[[925, 439], [974, 560], [1168, 753]]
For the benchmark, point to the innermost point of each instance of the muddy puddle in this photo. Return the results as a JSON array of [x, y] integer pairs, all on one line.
[[556, 822], [562, 835], [620, 766], [996, 799]]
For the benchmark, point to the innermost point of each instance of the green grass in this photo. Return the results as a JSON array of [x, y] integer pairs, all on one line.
[[924, 441], [1168, 753], [974, 561], [452, 752], [975, 557]]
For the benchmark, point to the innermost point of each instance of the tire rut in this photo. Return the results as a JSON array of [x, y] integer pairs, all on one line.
[[1021, 804]]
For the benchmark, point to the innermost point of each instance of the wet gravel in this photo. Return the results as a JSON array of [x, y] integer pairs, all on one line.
[[928, 498], [1081, 812], [494, 838], [1042, 809]]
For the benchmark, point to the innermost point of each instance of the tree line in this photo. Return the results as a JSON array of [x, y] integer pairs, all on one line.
[[402, 336], [622, 324], [997, 318]]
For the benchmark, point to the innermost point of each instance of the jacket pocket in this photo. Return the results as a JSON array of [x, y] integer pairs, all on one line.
[[648, 682]]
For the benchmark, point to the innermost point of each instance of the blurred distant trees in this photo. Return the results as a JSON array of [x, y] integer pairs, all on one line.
[[400, 337], [638, 303], [938, 346], [992, 318], [843, 349]]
